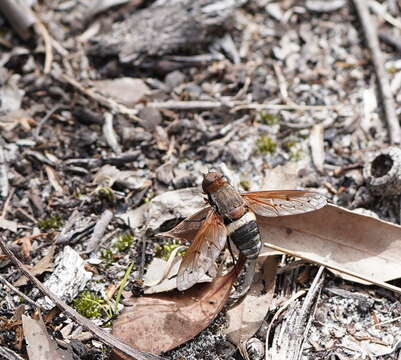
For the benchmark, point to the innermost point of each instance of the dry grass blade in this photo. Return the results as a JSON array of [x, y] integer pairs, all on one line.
[[159, 323], [368, 249]]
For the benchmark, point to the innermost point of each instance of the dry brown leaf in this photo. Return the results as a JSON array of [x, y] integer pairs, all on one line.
[[339, 238], [40, 345], [127, 91], [45, 264], [245, 319], [159, 323]]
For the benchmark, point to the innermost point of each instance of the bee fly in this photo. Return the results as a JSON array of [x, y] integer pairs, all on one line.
[[232, 214]]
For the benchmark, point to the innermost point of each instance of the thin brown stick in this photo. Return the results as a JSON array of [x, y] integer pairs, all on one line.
[[41, 29], [236, 106], [20, 293], [102, 100], [19, 15], [69, 311], [370, 31]]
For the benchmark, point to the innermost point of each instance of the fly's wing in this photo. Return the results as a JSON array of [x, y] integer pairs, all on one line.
[[186, 230], [206, 247], [283, 202]]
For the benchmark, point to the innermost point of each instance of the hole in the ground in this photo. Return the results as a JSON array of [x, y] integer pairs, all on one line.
[[381, 165]]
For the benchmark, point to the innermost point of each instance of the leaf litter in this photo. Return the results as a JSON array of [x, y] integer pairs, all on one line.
[[158, 323]]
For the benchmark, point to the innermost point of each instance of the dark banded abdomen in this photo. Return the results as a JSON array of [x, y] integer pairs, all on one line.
[[246, 236]]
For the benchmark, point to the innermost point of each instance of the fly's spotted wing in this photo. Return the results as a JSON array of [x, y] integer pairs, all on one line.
[[186, 230], [283, 202], [206, 247]]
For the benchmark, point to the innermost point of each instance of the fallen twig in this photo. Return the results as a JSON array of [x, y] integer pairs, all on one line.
[[41, 29], [99, 230], [380, 10], [20, 293], [236, 106], [370, 31], [102, 100], [19, 15], [69, 311], [4, 184]]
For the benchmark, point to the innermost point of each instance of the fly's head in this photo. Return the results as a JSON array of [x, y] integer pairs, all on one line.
[[213, 181]]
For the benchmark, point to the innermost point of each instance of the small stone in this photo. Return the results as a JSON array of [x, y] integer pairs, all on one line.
[[151, 117], [323, 6], [174, 79]]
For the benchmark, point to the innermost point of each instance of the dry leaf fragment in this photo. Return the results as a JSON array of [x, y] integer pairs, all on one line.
[[8, 224], [245, 319], [45, 264], [159, 323], [127, 91], [40, 345], [108, 175], [339, 238], [167, 206]]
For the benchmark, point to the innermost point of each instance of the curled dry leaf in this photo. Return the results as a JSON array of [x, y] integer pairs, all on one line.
[[245, 319], [159, 323], [339, 238], [167, 206], [45, 264]]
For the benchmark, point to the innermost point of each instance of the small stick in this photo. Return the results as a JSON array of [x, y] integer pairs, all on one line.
[[13, 288], [41, 29], [236, 106], [102, 100], [4, 183], [19, 15], [372, 40], [99, 230], [69, 311], [256, 106]]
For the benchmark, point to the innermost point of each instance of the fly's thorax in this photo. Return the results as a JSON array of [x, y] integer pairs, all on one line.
[[228, 202]]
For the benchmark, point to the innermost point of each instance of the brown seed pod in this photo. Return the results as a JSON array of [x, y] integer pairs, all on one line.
[[382, 171]]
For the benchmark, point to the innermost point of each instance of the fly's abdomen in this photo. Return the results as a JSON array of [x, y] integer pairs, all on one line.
[[245, 234]]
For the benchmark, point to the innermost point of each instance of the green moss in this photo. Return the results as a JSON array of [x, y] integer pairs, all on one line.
[[392, 70], [149, 196], [296, 155], [108, 256], [104, 192], [89, 304], [267, 118], [265, 145], [246, 185], [289, 144], [124, 242], [164, 251], [294, 149], [51, 223]]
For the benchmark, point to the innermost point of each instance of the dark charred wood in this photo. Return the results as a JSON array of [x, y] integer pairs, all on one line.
[[383, 172], [180, 26]]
